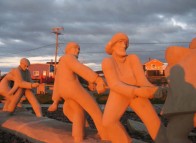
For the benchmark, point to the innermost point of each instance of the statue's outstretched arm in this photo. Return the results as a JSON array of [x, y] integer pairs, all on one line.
[[80, 69], [138, 71]]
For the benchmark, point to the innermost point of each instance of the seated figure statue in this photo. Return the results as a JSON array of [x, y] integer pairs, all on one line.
[[76, 98], [128, 87], [7, 91], [180, 105], [22, 85]]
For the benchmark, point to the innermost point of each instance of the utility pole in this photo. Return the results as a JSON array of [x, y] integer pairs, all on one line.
[[56, 31]]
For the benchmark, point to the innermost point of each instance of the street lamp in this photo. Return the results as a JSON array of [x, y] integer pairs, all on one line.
[[56, 30]]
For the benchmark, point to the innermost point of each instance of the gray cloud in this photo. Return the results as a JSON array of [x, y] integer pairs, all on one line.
[[25, 26]]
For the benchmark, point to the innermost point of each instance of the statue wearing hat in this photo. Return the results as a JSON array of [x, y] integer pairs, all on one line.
[[128, 87]]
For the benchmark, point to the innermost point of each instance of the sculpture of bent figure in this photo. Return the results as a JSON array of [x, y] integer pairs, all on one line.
[[22, 85], [128, 87], [76, 98], [180, 105], [7, 91]]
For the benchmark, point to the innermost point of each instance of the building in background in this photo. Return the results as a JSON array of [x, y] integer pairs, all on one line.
[[42, 73], [155, 71], [154, 67]]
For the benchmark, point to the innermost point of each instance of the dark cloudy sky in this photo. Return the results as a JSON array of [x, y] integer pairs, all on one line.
[[152, 26]]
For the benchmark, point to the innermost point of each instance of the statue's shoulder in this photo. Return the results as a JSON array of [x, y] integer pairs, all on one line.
[[132, 57], [68, 57], [107, 60], [107, 63], [174, 54], [64, 58], [15, 70]]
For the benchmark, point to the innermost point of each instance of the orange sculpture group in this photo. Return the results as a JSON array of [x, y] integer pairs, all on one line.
[[128, 86]]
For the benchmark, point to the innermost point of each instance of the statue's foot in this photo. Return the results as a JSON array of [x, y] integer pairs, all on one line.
[[19, 105], [103, 136], [78, 139], [39, 115], [4, 109], [53, 107], [87, 124]]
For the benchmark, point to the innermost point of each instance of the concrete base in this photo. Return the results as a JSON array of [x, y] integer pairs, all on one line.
[[38, 130], [136, 127], [43, 130]]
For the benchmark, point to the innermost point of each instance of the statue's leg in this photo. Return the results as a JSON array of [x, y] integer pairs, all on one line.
[[55, 98], [87, 102], [144, 109], [34, 103], [7, 97], [54, 106], [75, 114], [179, 127], [114, 109], [195, 120], [14, 100], [6, 104]]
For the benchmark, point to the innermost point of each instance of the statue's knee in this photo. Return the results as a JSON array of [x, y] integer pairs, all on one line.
[[79, 116], [107, 123], [37, 107], [27, 91]]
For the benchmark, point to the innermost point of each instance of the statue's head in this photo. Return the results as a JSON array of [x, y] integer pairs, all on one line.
[[72, 48], [192, 45], [24, 63], [118, 41], [173, 54]]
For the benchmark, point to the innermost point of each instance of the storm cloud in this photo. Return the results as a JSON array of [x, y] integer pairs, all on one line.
[[152, 26]]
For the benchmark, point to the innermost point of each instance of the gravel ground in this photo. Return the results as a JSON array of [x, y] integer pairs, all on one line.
[[10, 138], [58, 115]]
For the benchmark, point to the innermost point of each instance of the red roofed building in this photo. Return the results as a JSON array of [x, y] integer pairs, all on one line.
[[43, 73], [154, 67]]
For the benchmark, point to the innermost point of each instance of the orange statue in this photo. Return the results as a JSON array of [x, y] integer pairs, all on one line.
[[128, 87], [180, 105], [22, 85], [76, 98], [7, 91]]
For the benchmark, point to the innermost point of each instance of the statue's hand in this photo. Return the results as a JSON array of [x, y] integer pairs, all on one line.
[[161, 93], [146, 92], [91, 86], [34, 85], [100, 85]]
